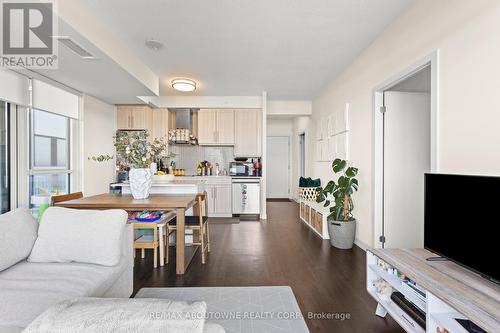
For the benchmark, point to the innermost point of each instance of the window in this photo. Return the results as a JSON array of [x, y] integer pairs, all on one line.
[[50, 152], [4, 158]]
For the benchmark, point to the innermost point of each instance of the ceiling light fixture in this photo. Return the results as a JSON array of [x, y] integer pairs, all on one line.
[[153, 44], [183, 85]]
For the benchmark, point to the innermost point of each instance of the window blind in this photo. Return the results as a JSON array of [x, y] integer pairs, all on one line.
[[52, 99], [14, 87]]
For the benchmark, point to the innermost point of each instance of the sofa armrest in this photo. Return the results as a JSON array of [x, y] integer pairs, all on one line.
[[128, 245]]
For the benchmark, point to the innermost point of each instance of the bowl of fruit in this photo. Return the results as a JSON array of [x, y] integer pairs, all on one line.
[[162, 177]]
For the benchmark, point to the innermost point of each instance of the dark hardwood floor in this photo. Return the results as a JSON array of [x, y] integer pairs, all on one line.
[[281, 251]]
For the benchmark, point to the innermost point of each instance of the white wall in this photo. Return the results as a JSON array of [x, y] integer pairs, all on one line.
[[99, 127], [466, 34], [289, 108], [279, 127]]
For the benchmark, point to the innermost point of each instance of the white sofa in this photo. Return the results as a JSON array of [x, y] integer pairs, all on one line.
[[28, 288]]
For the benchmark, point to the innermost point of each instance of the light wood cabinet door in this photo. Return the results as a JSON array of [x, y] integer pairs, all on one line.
[[223, 197], [248, 133], [123, 120], [159, 124], [133, 117], [142, 118], [225, 127], [207, 127], [211, 198]]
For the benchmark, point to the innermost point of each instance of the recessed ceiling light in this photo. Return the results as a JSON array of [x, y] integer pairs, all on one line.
[[183, 84], [153, 44]]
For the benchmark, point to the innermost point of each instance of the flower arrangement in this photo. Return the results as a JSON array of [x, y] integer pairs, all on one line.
[[135, 151]]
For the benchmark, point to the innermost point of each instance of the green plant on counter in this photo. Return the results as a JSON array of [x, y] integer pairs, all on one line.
[[341, 191]]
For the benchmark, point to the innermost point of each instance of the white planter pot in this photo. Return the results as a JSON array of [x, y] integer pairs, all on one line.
[[342, 233], [140, 182]]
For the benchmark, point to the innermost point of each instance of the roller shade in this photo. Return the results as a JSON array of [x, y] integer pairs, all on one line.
[[56, 100], [14, 87]]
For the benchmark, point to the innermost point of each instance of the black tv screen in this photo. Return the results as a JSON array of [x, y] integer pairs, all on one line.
[[462, 218]]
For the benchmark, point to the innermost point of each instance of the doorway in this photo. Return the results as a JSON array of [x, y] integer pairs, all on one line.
[[302, 154], [278, 167], [405, 149]]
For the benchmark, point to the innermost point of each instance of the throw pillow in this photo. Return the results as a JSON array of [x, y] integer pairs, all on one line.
[[85, 236]]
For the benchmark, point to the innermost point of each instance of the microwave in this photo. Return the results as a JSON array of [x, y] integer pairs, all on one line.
[[240, 169]]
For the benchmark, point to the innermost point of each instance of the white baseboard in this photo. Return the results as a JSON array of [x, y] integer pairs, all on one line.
[[361, 244]]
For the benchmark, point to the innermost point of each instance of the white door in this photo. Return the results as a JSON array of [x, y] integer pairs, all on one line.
[[278, 172], [406, 159]]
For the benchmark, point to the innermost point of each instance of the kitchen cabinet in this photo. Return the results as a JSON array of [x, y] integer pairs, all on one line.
[[216, 127], [207, 127], [159, 124], [248, 133], [133, 117], [142, 117], [223, 197], [225, 127], [219, 195], [211, 199]]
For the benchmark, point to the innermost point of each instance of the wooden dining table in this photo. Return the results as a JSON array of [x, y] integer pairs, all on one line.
[[176, 202]]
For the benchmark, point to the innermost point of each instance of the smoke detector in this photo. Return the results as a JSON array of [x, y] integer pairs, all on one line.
[[153, 44]]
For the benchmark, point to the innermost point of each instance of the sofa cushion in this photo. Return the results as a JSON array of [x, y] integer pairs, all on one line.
[[18, 231], [85, 236], [28, 289]]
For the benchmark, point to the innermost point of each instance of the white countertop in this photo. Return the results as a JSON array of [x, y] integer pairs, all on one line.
[[175, 182]]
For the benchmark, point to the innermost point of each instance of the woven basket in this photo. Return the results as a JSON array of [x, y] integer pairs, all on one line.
[[308, 193]]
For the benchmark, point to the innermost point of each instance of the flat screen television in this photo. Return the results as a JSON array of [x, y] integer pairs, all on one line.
[[462, 219]]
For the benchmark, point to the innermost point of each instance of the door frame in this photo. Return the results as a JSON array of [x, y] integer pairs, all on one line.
[[289, 138], [431, 60]]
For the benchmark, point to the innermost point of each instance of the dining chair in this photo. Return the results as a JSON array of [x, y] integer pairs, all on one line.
[[155, 240], [198, 223], [65, 197]]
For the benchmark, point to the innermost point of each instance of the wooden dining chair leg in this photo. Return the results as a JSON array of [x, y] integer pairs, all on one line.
[[208, 236], [202, 240], [167, 244], [165, 250]]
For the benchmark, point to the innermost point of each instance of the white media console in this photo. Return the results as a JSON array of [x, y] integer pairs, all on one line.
[[446, 291]]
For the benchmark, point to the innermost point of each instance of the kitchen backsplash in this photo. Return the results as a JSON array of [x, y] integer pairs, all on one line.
[[188, 156]]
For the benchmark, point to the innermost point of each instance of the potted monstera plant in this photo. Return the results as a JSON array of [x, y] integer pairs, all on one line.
[[338, 197]]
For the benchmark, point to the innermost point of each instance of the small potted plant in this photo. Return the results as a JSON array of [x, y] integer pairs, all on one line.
[[338, 197]]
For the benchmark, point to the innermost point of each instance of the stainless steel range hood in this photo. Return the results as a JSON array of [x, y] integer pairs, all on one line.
[[184, 120]]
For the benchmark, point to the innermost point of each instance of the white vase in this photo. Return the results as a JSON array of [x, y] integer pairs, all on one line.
[[140, 182]]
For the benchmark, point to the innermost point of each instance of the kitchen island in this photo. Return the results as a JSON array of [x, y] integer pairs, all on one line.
[[176, 186]]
